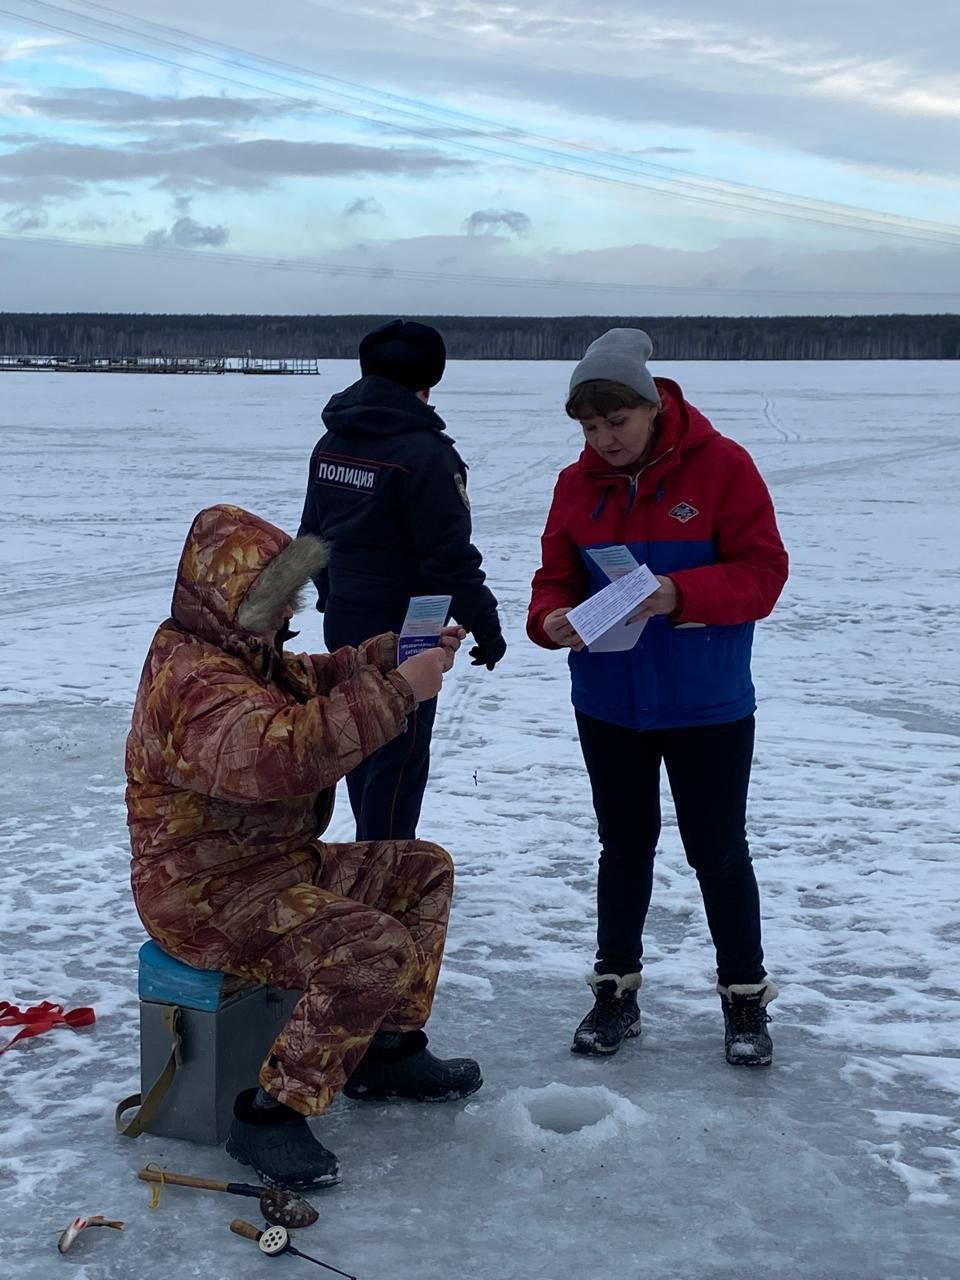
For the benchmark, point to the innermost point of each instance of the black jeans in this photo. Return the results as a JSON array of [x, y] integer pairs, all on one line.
[[386, 790], [708, 767]]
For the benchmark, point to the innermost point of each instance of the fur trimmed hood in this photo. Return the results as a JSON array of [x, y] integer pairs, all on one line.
[[281, 583], [238, 572]]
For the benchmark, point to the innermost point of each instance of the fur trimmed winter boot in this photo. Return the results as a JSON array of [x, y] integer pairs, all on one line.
[[398, 1064], [746, 1039], [276, 1141], [614, 1016]]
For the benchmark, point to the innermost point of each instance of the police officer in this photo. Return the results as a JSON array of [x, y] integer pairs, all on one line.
[[388, 491]]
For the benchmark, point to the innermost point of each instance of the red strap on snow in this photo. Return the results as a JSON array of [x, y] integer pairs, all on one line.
[[39, 1018]]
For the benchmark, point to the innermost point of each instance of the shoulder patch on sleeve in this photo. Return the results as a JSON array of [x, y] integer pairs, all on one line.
[[461, 484]]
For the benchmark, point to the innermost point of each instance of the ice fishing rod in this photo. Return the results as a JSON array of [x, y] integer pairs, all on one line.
[[279, 1206], [276, 1240]]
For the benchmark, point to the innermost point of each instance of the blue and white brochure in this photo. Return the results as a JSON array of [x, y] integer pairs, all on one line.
[[425, 620], [616, 562], [619, 564]]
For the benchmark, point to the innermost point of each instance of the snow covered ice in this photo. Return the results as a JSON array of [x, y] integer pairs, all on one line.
[[840, 1163]]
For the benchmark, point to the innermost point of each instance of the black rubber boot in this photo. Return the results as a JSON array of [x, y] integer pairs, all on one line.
[[613, 1018], [278, 1144], [398, 1064], [746, 1040]]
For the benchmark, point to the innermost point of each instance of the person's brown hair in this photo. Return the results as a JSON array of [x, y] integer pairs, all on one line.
[[600, 397]]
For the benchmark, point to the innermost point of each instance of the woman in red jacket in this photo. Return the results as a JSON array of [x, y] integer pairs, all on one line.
[[656, 477]]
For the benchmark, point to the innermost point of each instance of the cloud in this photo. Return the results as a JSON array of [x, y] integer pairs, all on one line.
[[793, 40], [57, 168], [21, 190], [364, 206], [812, 77], [879, 96], [768, 110], [120, 107], [93, 223], [25, 218], [815, 77], [186, 233], [487, 221], [626, 279], [26, 47]]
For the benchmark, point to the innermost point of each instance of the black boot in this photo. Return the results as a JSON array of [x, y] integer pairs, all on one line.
[[278, 1144], [746, 1039], [614, 1016], [398, 1064]]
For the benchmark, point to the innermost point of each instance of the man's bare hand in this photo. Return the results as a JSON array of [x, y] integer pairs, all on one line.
[[450, 640], [560, 631], [424, 672]]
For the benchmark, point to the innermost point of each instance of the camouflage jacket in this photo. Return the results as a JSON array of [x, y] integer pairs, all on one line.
[[235, 748]]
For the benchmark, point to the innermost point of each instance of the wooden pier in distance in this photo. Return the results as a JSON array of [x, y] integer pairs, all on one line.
[[257, 365], [112, 364], [284, 365]]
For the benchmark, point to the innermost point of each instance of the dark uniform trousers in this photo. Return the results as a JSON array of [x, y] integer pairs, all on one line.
[[386, 790]]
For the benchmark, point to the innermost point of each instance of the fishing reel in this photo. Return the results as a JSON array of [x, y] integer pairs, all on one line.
[[274, 1240]]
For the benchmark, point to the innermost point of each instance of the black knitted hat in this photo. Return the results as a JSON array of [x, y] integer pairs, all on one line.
[[406, 352]]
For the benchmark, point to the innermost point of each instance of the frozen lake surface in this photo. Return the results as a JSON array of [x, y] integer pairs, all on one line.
[[841, 1163]]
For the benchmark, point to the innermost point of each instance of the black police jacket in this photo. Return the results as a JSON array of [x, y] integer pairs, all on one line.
[[388, 492]]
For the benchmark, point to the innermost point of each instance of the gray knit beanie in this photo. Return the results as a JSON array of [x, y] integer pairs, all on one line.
[[619, 355]]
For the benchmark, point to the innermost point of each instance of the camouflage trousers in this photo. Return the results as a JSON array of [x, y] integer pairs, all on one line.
[[362, 938]]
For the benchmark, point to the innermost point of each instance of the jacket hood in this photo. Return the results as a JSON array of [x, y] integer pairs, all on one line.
[[237, 573], [375, 406], [680, 429]]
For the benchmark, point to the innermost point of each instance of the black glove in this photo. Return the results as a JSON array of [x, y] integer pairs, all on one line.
[[488, 650]]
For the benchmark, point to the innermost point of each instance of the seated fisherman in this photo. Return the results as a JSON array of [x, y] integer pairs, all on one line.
[[232, 760]]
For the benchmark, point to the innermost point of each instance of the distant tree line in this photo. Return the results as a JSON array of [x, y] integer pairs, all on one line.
[[884, 337]]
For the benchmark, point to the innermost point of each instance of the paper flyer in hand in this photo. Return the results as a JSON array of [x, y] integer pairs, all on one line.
[[616, 562], [426, 618], [610, 632]]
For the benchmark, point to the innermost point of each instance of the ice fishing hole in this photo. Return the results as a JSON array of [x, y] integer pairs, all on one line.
[[578, 1124], [568, 1111]]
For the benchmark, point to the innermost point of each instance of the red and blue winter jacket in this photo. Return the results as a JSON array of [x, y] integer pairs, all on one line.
[[699, 512]]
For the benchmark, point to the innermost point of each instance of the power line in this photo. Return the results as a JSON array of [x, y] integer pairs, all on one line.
[[704, 190], [619, 171], [475, 122], [384, 274]]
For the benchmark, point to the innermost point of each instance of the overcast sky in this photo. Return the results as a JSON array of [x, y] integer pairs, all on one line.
[[412, 156]]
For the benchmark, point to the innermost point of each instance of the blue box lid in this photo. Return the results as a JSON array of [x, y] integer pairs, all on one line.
[[164, 980]]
